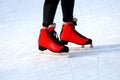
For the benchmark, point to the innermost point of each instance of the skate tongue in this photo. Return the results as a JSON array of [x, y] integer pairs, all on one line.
[[51, 27]]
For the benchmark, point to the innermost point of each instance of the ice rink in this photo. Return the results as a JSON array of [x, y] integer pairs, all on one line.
[[20, 22]]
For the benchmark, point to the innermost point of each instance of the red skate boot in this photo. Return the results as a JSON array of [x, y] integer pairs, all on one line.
[[69, 34], [48, 40]]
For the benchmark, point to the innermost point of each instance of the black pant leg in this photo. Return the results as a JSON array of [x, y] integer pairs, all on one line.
[[49, 11], [67, 10]]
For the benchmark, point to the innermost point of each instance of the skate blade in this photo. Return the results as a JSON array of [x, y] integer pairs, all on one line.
[[82, 48], [54, 55], [87, 46]]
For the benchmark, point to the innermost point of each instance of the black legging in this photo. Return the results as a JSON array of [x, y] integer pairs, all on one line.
[[50, 7]]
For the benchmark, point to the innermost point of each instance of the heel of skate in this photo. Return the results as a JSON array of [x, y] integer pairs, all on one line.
[[42, 48]]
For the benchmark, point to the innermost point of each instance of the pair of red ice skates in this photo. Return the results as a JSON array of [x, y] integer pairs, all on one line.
[[48, 38]]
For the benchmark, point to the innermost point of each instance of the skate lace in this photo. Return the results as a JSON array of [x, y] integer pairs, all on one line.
[[54, 37]]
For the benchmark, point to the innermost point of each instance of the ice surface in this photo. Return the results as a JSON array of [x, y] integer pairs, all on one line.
[[20, 22]]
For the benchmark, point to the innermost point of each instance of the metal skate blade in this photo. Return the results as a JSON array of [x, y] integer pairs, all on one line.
[[91, 46], [54, 55], [87, 46], [81, 48]]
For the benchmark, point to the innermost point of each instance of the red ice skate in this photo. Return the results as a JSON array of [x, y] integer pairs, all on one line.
[[69, 34], [48, 40]]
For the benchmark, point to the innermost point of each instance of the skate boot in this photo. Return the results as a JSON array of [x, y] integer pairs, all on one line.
[[48, 40], [69, 34]]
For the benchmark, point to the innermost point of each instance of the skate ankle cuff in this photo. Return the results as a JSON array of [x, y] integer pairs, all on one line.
[[52, 25], [75, 21]]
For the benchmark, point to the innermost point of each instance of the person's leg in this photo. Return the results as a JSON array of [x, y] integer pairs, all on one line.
[[67, 10], [47, 38], [49, 11], [68, 28]]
